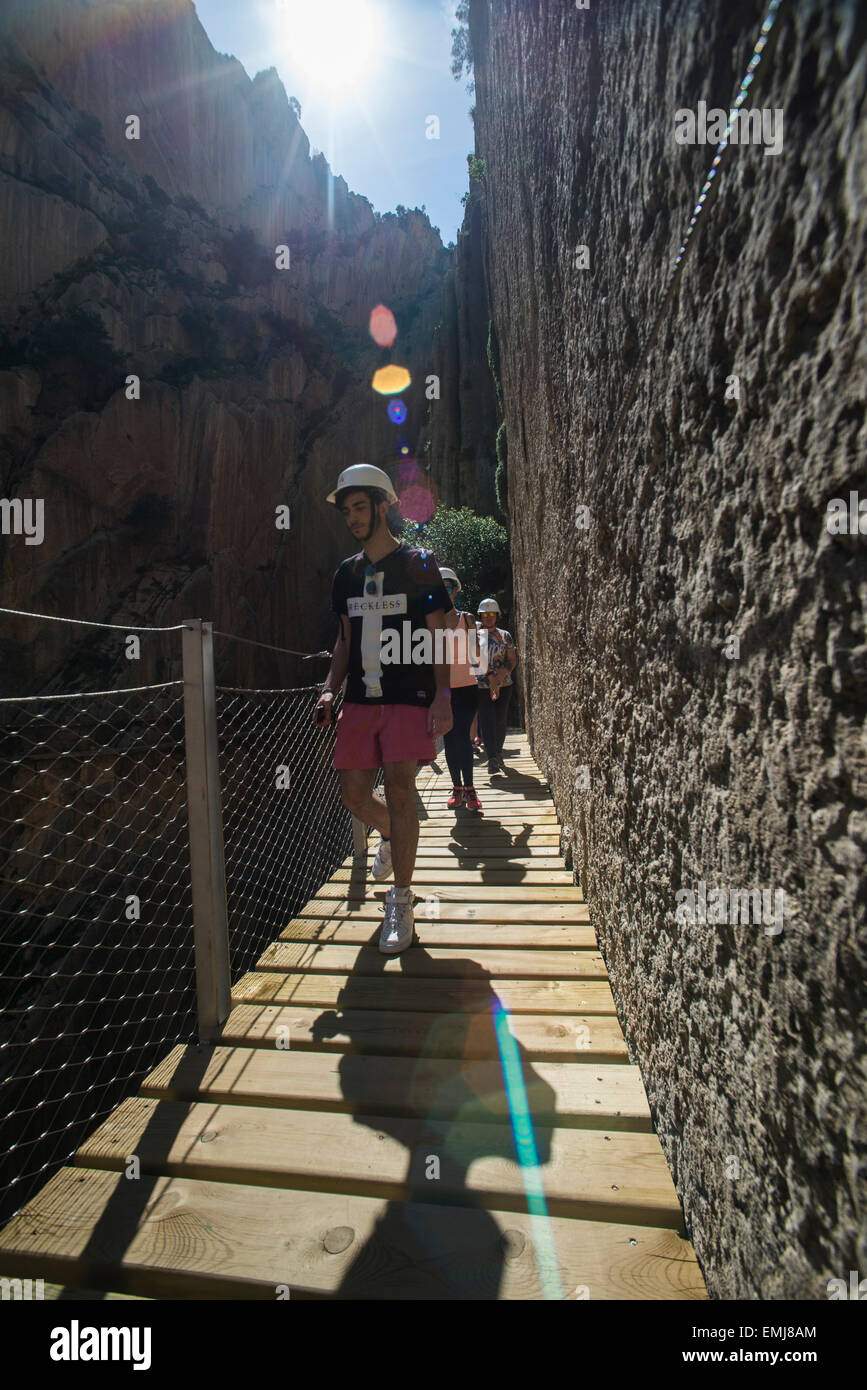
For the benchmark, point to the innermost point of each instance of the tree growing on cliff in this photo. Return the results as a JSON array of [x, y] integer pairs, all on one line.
[[462, 49], [475, 547]]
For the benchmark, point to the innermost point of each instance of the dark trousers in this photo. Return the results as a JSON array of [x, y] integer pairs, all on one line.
[[456, 743], [493, 716]]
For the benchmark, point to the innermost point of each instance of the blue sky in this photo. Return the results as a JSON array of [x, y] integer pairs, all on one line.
[[368, 74]]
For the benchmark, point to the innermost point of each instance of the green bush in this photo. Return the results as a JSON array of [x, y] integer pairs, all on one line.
[[78, 334], [150, 241], [475, 547], [245, 259]]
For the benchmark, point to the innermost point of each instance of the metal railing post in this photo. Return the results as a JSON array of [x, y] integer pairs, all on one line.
[[207, 865]]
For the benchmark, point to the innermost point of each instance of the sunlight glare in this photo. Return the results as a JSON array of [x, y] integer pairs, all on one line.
[[333, 43]]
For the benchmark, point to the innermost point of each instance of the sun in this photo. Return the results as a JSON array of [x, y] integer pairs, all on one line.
[[335, 44]]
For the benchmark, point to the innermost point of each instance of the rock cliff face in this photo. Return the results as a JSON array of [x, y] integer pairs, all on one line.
[[462, 425], [677, 755], [156, 258]]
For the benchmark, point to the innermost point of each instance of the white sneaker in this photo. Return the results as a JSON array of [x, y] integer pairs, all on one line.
[[381, 867], [399, 922]]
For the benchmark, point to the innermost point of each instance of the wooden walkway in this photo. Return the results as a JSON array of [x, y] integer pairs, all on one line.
[[374, 1157]]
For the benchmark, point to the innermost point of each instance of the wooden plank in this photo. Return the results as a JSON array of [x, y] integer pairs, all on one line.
[[490, 815], [64, 1292], [517, 802], [506, 829], [449, 872], [543, 1037], [398, 991], [587, 1173], [543, 849], [534, 863], [371, 909], [531, 936], [511, 807], [514, 786], [589, 1095], [181, 1238], [480, 892], [434, 962], [518, 834]]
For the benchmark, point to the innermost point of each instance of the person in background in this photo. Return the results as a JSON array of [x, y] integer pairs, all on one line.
[[457, 745], [495, 686], [475, 738]]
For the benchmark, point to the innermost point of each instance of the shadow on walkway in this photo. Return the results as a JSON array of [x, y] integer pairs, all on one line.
[[439, 1242]]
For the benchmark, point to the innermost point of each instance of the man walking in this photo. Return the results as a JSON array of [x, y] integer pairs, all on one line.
[[397, 700]]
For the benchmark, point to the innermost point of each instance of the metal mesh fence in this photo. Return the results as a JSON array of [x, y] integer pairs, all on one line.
[[285, 828], [96, 943]]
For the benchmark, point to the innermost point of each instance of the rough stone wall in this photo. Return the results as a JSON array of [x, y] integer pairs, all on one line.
[[706, 522]]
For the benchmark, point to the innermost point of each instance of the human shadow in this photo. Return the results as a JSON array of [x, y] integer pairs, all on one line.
[[446, 1101], [464, 841]]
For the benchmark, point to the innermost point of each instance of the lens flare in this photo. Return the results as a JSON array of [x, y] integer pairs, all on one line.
[[396, 412], [416, 504], [382, 327], [389, 381], [528, 1157], [416, 496]]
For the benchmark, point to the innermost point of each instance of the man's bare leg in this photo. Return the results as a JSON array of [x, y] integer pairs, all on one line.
[[400, 798], [356, 790]]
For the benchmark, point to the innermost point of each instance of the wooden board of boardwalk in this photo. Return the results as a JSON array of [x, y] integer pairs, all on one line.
[[351, 1136]]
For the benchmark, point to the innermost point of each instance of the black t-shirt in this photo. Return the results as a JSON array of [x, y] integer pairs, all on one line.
[[386, 608]]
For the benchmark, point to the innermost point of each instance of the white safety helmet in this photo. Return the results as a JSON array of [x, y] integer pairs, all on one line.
[[488, 605], [363, 475], [450, 574]]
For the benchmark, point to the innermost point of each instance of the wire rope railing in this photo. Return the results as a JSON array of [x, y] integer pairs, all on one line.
[[153, 839]]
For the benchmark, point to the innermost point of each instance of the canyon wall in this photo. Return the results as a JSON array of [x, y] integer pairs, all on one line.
[[156, 258], [462, 425], [692, 643]]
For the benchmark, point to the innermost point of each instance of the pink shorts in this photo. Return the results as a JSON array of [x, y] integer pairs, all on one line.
[[370, 735]]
